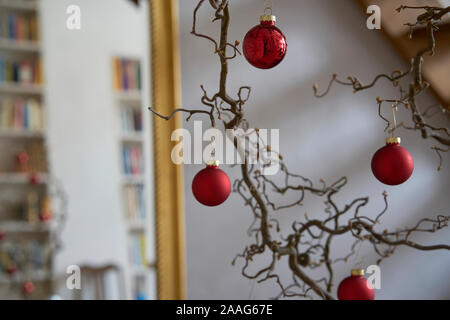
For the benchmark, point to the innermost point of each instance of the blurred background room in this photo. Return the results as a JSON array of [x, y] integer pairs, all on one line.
[[75, 164], [77, 147]]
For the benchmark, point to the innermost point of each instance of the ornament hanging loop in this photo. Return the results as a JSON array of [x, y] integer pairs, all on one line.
[[394, 109], [213, 143], [268, 7], [358, 263]]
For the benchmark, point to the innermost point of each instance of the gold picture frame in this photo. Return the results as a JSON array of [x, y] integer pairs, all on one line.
[[169, 199]]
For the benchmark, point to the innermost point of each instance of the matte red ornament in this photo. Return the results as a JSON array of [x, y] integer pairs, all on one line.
[[28, 287], [45, 216], [34, 179], [12, 269], [392, 164], [211, 186], [265, 45], [355, 287]]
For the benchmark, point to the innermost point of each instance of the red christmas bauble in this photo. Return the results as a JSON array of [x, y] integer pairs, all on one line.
[[265, 45], [356, 287], [45, 216], [28, 287], [22, 157], [34, 179], [2, 235], [211, 186], [12, 269], [392, 164]]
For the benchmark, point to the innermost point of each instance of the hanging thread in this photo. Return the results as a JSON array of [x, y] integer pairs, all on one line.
[[358, 263]]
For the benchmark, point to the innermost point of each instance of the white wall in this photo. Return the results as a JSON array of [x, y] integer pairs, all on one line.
[[83, 121], [320, 138]]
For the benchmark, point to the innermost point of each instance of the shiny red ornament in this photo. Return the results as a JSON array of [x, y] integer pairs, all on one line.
[[211, 186], [392, 164], [265, 45], [356, 287]]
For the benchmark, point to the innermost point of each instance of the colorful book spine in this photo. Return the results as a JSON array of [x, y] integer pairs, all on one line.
[[126, 161], [117, 71]]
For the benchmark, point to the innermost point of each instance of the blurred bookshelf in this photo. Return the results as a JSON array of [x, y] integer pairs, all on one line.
[[22, 5], [26, 220], [127, 83]]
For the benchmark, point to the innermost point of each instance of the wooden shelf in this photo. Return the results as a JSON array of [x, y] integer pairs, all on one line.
[[140, 271], [25, 227], [41, 276], [20, 178], [129, 96], [19, 88], [137, 225], [19, 45], [19, 5], [21, 133], [133, 179], [132, 137]]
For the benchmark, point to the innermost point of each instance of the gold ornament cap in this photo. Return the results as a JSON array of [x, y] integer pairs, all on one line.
[[267, 17], [393, 140], [357, 272], [212, 163]]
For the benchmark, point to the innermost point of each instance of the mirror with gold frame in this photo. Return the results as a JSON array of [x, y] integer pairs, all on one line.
[[85, 172]]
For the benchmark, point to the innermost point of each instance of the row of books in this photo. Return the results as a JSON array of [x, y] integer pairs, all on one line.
[[19, 26], [21, 257], [20, 71], [21, 114], [138, 250], [132, 160], [131, 119], [134, 202], [127, 74]]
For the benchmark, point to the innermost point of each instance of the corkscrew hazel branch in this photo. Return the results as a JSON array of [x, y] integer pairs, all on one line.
[[430, 20], [308, 245]]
